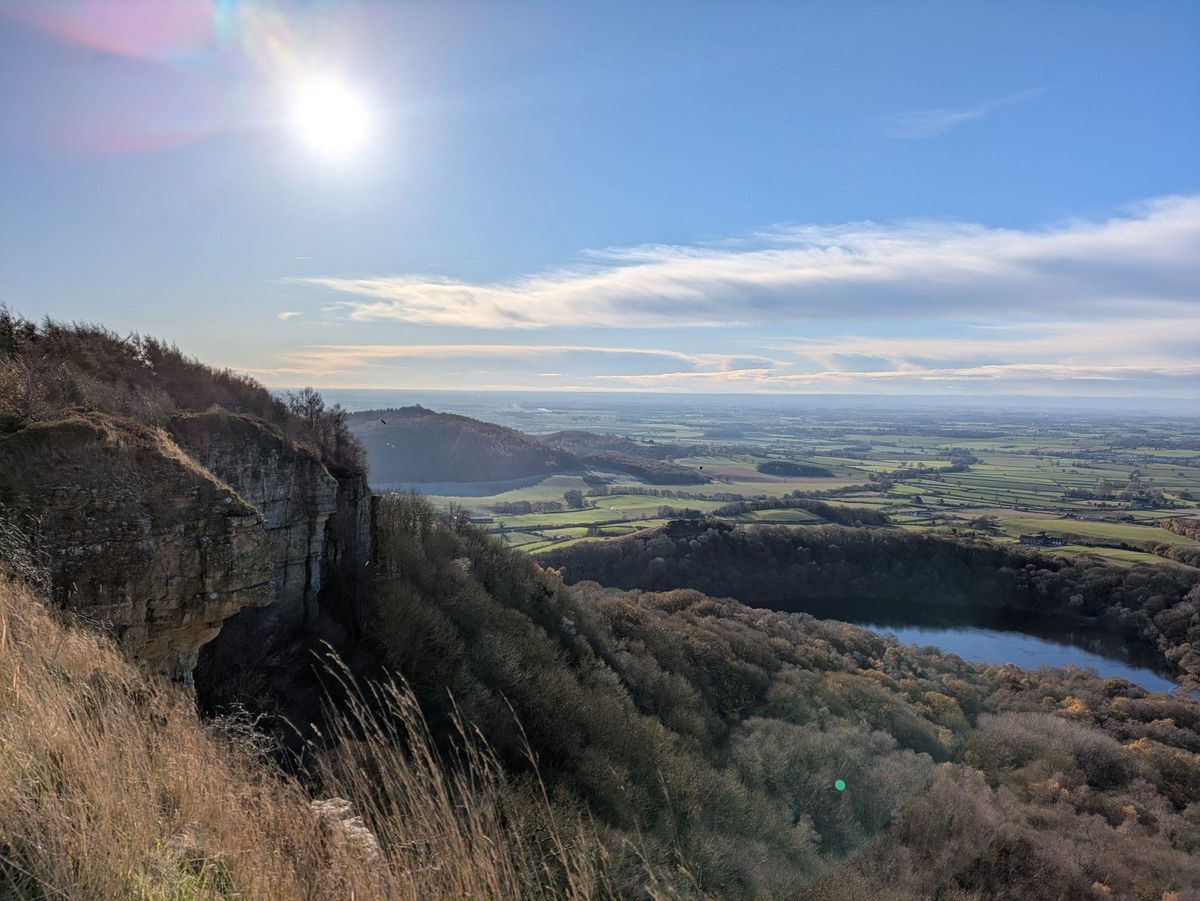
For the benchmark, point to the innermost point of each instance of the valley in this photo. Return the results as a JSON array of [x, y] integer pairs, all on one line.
[[227, 637], [1100, 482], [599, 452], [1113, 488]]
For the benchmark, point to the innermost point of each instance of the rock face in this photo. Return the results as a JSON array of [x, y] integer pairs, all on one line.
[[319, 524], [167, 538], [288, 485], [142, 541], [349, 537]]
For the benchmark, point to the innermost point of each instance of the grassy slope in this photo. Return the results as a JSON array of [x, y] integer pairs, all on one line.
[[110, 787], [50, 369]]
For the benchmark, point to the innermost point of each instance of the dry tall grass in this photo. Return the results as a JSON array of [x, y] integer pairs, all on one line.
[[110, 787]]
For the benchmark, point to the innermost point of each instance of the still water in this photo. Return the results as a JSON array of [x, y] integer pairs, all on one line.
[[1025, 651], [999, 638]]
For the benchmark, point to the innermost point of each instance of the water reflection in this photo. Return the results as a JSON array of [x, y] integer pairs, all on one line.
[[999, 637]]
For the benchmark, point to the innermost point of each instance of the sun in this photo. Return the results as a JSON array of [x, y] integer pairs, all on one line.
[[331, 119]]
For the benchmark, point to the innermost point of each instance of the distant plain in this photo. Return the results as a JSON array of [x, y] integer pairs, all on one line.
[[1029, 469]]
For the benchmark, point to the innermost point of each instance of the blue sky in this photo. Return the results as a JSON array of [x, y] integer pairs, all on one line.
[[949, 198]]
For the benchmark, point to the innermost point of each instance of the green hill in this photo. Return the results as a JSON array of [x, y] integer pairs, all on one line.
[[413, 445]]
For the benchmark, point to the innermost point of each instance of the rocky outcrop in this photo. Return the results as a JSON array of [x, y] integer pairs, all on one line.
[[319, 526], [140, 539], [340, 824], [348, 552], [218, 525], [287, 484]]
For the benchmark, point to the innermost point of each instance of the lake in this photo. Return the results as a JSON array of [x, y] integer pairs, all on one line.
[[999, 637]]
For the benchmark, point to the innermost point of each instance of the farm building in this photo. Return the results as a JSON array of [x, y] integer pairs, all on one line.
[[1041, 539]]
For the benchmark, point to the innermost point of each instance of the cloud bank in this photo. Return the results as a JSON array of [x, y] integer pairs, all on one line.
[[1102, 307], [328, 358], [1108, 357], [1137, 264]]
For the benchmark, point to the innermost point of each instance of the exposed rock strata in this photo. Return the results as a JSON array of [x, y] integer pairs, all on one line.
[[163, 537], [287, 484], [349, 537], [321, 527], [140, 540]]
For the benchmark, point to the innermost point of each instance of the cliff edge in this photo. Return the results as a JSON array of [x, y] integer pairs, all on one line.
[[161, 536]]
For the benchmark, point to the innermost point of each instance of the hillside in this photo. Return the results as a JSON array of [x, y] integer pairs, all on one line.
[[648, 461], [719, 751], [583, 442], [414, 445], [50, 368], [715, 732], [111, 787], [1152, 607], [548, 739]]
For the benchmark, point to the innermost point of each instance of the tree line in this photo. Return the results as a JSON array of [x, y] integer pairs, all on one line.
[[778, 567]]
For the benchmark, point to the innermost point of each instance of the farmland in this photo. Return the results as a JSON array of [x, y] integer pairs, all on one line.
[[1100, 481]]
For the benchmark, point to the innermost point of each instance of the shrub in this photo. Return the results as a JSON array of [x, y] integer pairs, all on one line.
[[49, 368]]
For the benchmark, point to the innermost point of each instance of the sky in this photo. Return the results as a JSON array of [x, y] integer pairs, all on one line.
[[955, 198]]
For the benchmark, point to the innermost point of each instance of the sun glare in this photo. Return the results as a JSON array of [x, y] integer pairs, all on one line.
[[331, 119]]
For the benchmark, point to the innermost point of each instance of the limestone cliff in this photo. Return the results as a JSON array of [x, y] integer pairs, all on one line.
[[162, 537], [319, 524], [288, 485], [349, 537], [141, 541]]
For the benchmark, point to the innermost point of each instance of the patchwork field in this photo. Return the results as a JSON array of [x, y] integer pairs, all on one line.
[[1101, 481]]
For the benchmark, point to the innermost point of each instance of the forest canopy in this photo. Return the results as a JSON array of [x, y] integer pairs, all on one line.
[[714, 733]]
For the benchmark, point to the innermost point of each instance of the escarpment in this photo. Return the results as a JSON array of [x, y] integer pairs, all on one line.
[[166, 537], [319, 524], [287, 484], [139, 539]]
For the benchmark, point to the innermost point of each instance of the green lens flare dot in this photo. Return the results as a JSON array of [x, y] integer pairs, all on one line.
[[840, 785]]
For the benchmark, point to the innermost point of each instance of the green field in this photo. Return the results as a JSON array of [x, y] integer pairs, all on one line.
[[1128, 533], [1115, 555], [946, 472]]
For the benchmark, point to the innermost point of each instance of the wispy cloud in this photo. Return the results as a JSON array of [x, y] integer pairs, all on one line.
[[1115, 357], [288, 314], [327, 358], [1150, 343], [930, 122], [1018, 377], [1141, 261], [1108, 306]]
